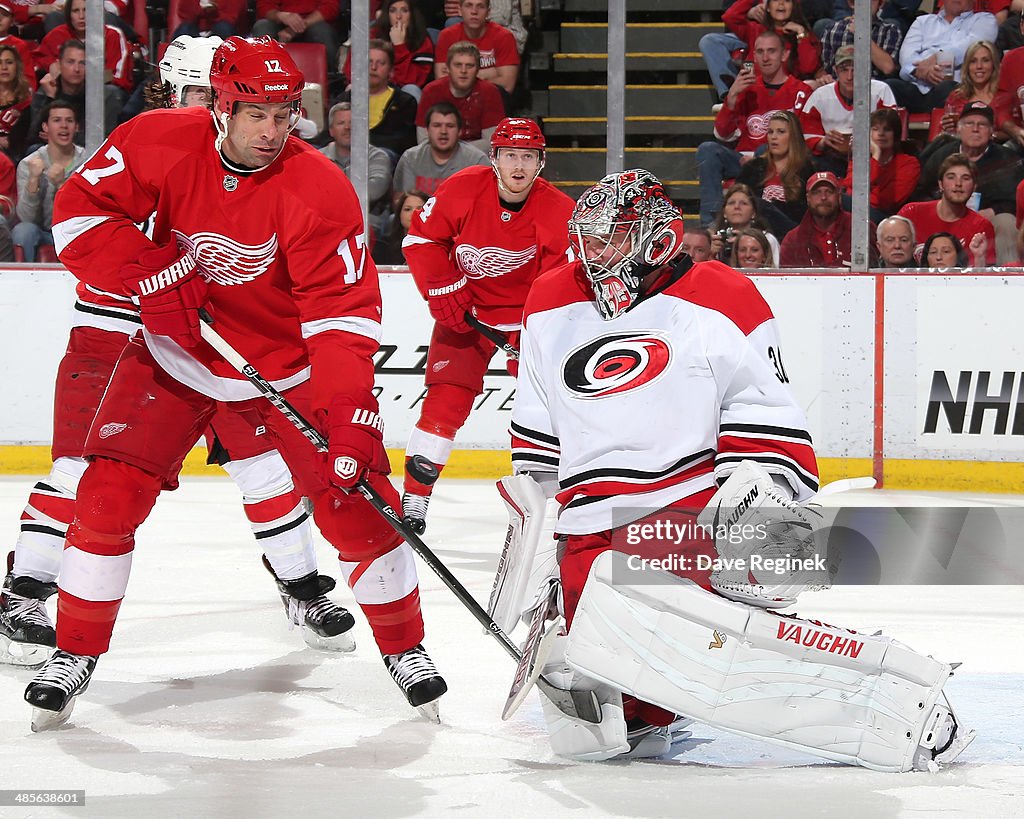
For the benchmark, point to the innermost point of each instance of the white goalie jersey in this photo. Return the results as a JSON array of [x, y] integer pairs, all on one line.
[[656, 405]]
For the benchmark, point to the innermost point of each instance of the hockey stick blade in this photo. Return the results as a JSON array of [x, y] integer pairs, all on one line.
[[492, 335], [590, 710], [536, 650]]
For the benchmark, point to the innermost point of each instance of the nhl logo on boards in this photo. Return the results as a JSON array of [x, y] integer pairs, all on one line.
[[230, 182]]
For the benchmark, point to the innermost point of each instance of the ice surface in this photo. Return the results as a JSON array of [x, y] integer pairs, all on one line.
[[208, 706]]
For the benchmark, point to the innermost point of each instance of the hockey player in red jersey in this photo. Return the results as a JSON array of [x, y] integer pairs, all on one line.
[[477, 245], [104, 322], [648, 382], [266, 234]]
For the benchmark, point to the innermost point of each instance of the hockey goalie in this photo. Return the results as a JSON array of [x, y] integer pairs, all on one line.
[[653, 401]]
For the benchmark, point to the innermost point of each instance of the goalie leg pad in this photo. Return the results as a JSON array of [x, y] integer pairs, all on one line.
[[575, 738], [529, 556], [848, 697]]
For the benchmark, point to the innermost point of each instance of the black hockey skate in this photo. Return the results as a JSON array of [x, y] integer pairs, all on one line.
[[414, 506], [56, 686], [27, 636], [416, 675], [324, 624]]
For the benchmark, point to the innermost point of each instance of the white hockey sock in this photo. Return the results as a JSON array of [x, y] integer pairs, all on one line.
[[435, 448], [276, 513], [45, 520]]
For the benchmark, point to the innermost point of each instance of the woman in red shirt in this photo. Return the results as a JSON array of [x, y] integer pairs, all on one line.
[[402, 23], [894, 174], [979, 80]]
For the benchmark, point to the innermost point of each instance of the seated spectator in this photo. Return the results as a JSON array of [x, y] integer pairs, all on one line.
[[40, 175], [115, 13], [894, 174], [8, 188], [901, 12], [499, 56], [697, 244], [478, 101], [118, 61], [304, 21], [443, 154], [751, 251], [507, 14], [215, 17], [827, 115], [943, 251], [822, 239], [15, 100], [933, 51], [1010, 92], [68, 84], [739, 210], [885, 43], [388, 249], [1000, 9], [979, 82], [339, 151], [392, 111], [746, 20], [779, 175], [957, 178], [998, 168], [895, 239], [6, 38], [401, 23], [752, 98]]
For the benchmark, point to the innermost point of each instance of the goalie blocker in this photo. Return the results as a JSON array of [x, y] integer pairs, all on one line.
[[860, 699]]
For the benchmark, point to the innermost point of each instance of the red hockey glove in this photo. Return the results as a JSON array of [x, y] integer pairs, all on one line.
[[355, 433], [448, 303], [170, 293]]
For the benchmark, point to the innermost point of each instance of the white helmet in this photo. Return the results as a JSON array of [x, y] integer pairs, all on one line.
[[187, 62]]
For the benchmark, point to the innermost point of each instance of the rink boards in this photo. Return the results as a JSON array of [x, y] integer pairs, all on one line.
[[915, 378]]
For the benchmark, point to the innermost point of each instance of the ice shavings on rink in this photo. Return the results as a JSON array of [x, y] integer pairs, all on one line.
[[208, 706]]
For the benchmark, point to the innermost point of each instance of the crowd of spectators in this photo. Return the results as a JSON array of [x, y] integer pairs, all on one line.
[[442, 74], [778, 173]]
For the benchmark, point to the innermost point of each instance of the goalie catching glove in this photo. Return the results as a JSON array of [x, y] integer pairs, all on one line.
[[765, 541], [170, 292], [355, 434]]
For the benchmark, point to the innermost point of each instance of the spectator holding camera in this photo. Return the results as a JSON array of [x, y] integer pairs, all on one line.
[[979, 82], [739, 211]]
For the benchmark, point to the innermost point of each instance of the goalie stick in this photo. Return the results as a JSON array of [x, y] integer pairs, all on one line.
[[581, 705], [536, 651], [492, 335]]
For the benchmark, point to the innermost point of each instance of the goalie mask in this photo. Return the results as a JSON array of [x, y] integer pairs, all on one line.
[[186, 62], [621, 229], [255, 70]]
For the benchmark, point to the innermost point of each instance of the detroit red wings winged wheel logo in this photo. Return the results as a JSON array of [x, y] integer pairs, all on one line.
[[484, 262], [616, 363], [225, 261]]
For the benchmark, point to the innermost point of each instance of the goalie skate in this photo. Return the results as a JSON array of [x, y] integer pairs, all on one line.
[[27, 636], [54, 689], [324, 624], [654, 741], [414, 672]]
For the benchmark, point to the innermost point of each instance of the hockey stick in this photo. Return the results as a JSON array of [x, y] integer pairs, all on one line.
[[492, 335], [578, 704]]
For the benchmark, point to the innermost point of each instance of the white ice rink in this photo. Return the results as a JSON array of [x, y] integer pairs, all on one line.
[[208, 706]]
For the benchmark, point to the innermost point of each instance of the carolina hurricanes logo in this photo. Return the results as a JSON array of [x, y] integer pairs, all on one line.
[[225, 261], [615, 364], [484, 262]]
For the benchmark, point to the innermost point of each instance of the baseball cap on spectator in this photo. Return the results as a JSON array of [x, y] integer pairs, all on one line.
[[978, 107], [7, 6], [844, 54], [823, 176]]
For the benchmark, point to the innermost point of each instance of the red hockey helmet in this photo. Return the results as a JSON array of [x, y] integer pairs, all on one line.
[[256, 70], [518, 132]]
